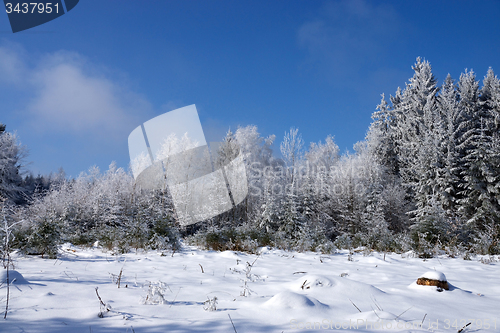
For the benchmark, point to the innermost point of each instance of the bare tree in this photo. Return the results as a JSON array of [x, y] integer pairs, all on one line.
[[291, 148]]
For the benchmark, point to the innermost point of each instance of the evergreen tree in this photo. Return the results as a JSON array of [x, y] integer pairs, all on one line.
[[478, 204], [449, 173], [381, 138], [490, 102], [291, 222], [414, 113], [420, 128]]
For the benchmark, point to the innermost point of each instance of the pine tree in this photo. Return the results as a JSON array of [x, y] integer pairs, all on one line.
[[381, 137], [290, 220], [478, 205], [449, 173], [490, 102], [268, 216], [413, 113], [420, 128]]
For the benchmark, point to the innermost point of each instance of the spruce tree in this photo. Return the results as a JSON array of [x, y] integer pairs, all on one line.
[[449, 173], [476, 203]]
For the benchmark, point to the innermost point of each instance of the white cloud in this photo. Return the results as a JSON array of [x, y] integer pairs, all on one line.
[[67, 94], [68, 98]]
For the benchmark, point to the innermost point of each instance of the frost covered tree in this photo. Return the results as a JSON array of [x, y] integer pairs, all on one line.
[[423, 122], [414, 114], [478, 202], [11, 154], [290, 220], [260, 165], [291, 149], [381, 138], [449, 171], [490, 102], [269, 210], [321, 161]]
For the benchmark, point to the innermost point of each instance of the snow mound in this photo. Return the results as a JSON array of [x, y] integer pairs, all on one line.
[[229, 255], [433, 275], [307, 282], [373, 316], [291, 300], [264, 249], [14, 277], [352, 288]]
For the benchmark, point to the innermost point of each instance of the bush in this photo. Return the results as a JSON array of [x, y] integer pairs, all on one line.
[[241, 238], [41, 238]]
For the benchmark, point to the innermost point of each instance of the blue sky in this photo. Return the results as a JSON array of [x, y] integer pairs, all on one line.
[[74, 88]]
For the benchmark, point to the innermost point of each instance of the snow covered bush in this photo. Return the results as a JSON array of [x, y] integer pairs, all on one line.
[[41, 228], [344, 241], [210, 304], [155, 293], [240, 238], [487, 241]]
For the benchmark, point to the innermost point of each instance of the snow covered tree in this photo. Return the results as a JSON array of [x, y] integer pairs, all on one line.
[[268, 217], [11, 154], [449, 171], [316, 196], [291, 149], [381, 138], [405, 138], [414, 114], [478, 203], [432, 227], [490, 103]]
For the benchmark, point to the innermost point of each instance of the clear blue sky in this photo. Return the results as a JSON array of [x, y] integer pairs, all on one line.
[[74, 88]]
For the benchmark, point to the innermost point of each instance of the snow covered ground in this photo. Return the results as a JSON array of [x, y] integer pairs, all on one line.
[[285, 292]]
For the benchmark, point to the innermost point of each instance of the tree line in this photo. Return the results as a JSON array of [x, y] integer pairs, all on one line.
[[426, 178]]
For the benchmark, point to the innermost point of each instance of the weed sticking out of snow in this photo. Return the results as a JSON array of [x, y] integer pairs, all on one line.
[[210, 304], [103, 307]]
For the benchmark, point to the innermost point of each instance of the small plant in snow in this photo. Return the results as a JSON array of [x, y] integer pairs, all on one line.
[[367, 252], [103, 307], [487, 261], [210, 304], [156, 293], [350, 255], [117, 279], [249, 277]]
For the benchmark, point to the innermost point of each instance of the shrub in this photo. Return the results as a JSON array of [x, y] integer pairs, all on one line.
[[40, 238]]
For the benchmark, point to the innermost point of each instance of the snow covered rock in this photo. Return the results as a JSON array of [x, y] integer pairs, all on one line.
[[14, 277], [433, 278]]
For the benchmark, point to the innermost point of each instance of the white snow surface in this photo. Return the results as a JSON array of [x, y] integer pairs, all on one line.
[[434, 275], [289, 292], [14, 277]]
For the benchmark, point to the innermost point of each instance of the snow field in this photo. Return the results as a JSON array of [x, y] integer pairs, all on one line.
[[286, 292]]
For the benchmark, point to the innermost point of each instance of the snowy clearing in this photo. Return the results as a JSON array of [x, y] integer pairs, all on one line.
[[285, 292]]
